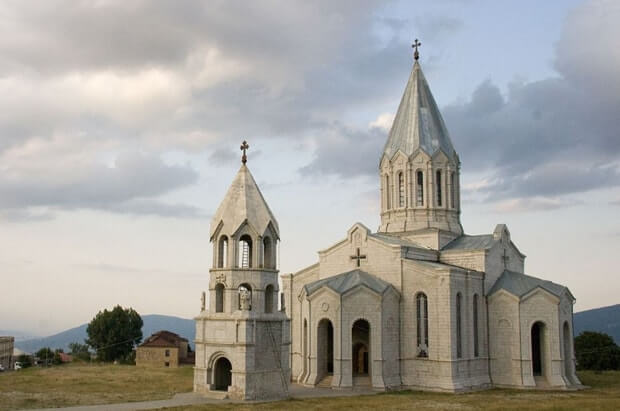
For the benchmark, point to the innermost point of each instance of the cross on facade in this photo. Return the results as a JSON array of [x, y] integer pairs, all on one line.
[[415, 45], [505, 258], [244, 147], [359, 257]]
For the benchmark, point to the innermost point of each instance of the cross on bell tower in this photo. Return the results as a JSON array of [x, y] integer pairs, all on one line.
[[244, 146]]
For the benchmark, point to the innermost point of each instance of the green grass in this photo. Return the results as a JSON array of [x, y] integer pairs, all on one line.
[[104, 384], [604, 395], [88, 384]]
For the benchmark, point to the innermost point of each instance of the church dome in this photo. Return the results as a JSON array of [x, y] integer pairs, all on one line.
[[243, 203], [418, 123]]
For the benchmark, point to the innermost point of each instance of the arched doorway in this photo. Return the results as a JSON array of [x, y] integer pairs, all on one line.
[[360, 338], [223, 374], [325, 348], [360, 359], [538, 330]]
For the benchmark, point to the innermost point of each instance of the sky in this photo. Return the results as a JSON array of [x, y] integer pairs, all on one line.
[[120, 126]]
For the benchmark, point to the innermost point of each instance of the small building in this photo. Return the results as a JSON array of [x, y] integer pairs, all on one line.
[[163, 349], [64, 358], [6, 352]]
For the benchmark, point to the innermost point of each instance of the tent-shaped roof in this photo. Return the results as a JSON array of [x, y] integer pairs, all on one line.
[[163, 339], [418, 123], [344, 282], [520, 284], [244, 202]]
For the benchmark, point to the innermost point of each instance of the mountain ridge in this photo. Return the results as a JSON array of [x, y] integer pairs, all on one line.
[[151, 323]]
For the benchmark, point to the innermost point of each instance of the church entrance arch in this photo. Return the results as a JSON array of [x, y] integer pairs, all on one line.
[[538, 345], [222, 374], [360, 338], [325, 348]]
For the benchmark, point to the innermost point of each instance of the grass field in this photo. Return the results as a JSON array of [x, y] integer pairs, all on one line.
[[604, 395], [86, 384], [103, 384]]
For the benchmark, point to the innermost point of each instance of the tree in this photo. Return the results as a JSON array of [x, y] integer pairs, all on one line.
[[25, 360], [45, 356], [113, 334], [79, 351], [596, 351]]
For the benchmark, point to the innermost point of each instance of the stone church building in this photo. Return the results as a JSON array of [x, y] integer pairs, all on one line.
[[417, 304]]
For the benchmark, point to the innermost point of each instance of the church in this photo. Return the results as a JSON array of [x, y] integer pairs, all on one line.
[[418, 304]]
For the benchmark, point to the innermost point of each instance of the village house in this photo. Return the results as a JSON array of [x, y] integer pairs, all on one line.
[[163, 349]]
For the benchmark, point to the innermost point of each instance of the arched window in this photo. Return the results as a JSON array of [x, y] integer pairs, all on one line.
[[388, 193], [245, 297], [419, 192], [269, 299], [222, 252], [245, 251], [268, 254], [438, 187], [401, 189], [459, 334], [475, 320], [219, 298], [452, 191], [422, 324]]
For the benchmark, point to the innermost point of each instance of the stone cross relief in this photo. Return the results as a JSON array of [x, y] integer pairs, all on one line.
[[359, 257], [505, 258]]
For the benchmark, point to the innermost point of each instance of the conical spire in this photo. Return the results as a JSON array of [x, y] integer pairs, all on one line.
[[243, 202], [418, 123]]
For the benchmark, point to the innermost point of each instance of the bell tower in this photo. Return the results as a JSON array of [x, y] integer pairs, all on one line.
[[242, 339], [419, 168]]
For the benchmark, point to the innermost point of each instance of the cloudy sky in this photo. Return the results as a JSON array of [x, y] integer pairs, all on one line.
[[120, 125]]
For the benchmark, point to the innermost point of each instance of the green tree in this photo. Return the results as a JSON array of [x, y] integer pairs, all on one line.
[[596, 351], [113, 334], [79, 351], [25, 360], [45, 355]]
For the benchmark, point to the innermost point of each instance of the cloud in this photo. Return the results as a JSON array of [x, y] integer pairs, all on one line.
[[130, 183], [347, 152], [518, 205], [554, 137]]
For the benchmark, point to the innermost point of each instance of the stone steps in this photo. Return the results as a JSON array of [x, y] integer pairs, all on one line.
[[362, 381], [325, 382], [541, 382], [216, 395]]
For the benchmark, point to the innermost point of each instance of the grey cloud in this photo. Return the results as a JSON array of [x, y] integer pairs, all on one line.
[[347, 152], [547, 138], [284, 86], [222, 155], [131, 186]]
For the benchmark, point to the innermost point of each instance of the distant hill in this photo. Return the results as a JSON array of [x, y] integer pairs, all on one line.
[[604, 319], [152, 323]]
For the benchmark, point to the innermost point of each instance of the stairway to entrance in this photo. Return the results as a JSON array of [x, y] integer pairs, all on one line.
[[326, 382], [361, 381]]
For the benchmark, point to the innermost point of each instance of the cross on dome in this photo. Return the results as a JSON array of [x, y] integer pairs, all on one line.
[[415, 45]]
